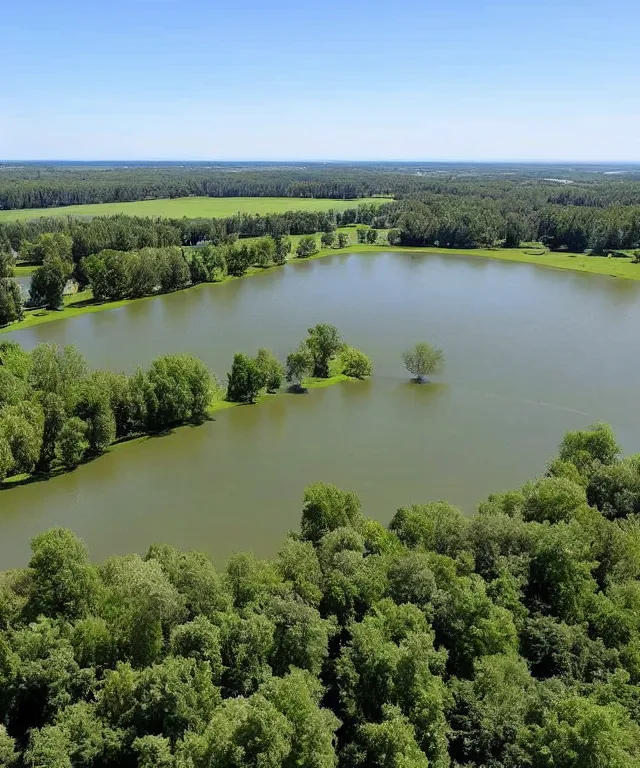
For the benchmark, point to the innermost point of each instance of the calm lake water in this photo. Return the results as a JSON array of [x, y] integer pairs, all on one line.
[[531, 352]]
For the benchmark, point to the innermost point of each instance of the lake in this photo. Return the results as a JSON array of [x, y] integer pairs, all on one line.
[[530, 353]]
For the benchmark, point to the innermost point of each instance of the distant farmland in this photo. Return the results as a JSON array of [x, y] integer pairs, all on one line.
[[192, 207]]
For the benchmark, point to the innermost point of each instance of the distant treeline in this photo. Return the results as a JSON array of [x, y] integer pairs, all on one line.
[[41, 186], [447, 221], [460, 222], [56, 186]]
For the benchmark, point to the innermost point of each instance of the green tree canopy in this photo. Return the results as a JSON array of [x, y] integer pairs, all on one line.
[[423, 360]]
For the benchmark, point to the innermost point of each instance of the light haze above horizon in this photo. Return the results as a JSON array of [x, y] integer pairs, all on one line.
[[463, 80]]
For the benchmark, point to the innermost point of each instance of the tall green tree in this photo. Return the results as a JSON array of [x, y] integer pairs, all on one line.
[[65, 584], [93, 406], [21, 426], [423, 360], [10, 301], [328, 239], [48, 283], [272, 369], [48, 245], [56, 370], [325, 342], [282, 249], [54, 418], [307, 246], [246, 379], [72, 443], [7, 263]]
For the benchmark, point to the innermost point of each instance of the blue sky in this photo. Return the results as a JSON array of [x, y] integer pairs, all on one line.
[[348, 79]]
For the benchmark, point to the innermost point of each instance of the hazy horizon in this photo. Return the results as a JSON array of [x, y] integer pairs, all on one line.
[[319, 161]]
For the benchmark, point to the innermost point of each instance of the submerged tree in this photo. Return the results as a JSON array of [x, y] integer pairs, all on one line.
[[355, 363], [299, 365], [246, 379], [423, 360], [271, 368]]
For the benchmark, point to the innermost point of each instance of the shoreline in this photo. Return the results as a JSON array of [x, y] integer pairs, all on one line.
[[216, 407], [82, 303]]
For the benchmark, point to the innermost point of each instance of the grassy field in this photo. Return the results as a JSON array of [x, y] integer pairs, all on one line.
[[23, 271], [82, 303], [192, 207]]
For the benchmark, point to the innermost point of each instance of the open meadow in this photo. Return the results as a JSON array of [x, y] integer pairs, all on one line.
[[193, 207]]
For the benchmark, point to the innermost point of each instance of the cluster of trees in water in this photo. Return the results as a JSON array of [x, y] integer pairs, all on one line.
[[322, 350], [55, 412], [507, 639]]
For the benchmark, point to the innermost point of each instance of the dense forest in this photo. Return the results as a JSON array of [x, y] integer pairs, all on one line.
[[47, 186], [34, 185], [510, 638], [449, 211]]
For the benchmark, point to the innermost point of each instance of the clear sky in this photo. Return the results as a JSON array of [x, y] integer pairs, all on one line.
[[338, 79]]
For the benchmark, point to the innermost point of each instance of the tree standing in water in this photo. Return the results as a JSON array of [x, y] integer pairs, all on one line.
[[423, 360]]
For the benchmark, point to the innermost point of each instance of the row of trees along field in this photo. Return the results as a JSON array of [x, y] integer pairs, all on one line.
[[507, 639], [116, 274], [55, 412], [113, 274], [445, 220], [458, 222], [43, 186], [124, 233]]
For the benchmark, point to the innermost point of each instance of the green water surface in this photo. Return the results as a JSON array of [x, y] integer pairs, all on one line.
[[530, 353]]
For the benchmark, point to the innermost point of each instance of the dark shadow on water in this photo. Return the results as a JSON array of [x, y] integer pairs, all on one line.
[[39, 477], [356, 389], [297, 389]]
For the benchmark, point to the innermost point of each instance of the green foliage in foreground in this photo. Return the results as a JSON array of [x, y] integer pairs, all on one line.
[[507, 639]]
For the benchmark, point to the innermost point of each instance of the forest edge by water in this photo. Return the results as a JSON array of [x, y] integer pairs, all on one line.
[[82, 303]]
